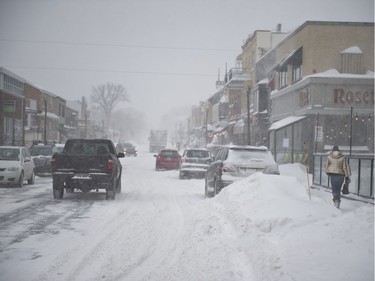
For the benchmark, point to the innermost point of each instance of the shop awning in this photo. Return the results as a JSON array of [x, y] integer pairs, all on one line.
[[294, 58], [285, 122]]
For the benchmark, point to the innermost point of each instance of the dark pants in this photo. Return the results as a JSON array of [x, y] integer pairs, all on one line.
[[336, 182]]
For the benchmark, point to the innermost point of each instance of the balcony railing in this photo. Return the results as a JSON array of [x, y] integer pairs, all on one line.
[[238, 74]]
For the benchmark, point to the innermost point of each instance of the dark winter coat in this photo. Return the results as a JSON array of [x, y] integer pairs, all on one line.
[[337, 164]]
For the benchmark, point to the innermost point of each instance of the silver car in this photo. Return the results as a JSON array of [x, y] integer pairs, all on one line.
[[235, 162], [16, 166], [194, 163]]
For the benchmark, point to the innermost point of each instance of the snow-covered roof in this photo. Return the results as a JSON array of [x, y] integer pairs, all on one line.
[[352, 50], [263, 81], [334, 73], [285, 122], [49, 115]]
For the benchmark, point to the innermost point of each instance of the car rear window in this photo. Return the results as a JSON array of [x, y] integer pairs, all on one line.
[[197, 154], [88, 148], [41, 150], [169, 153], [246, 154]]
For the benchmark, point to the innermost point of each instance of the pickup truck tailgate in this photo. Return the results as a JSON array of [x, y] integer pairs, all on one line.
[[82, 163]]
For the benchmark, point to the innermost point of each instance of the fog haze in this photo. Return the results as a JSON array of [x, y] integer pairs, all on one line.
[[166, 53]]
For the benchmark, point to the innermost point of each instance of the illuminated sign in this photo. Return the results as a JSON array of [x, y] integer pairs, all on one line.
[[10, 106]]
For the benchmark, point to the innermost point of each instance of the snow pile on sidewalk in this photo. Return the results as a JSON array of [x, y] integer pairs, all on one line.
[[287, 236]]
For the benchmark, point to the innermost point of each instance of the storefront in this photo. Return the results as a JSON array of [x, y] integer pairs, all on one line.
[[320, 111]]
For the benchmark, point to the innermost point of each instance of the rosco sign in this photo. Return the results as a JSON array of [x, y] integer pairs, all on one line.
[[340, 96]]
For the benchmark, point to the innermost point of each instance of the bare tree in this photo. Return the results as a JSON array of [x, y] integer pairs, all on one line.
[[107, 97]]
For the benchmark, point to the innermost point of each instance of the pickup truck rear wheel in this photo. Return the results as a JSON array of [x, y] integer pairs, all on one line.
[[110, 194], [119, 185], [58, 194], [58, 189]]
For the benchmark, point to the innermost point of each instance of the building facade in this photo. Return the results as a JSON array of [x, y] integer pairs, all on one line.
[[323, 75], [12, 108]]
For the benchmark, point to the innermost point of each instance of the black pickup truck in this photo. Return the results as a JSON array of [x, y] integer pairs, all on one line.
[[87, 164]]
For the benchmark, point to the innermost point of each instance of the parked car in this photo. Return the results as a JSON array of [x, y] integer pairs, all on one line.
[[16, 166], [167, 159], [232, 163], [194, 163], [42, 155]]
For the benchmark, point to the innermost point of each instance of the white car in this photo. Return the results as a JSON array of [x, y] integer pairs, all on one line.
[[234, 162], [16, 166]]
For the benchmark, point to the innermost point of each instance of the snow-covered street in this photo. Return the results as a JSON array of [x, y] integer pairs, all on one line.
[[162, 228]]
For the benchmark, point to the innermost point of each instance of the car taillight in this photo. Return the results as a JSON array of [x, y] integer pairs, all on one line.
[[53, 164], [110, 164]]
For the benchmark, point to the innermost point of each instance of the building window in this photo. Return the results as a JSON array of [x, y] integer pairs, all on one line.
[[297, 73], [283, 78], [13, 85], [61, 110], [256, 100]]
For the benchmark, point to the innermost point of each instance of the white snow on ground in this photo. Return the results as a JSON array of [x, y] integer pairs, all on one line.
[[162, 228]]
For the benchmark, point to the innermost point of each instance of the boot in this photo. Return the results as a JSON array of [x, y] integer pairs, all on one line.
[[336, 201]]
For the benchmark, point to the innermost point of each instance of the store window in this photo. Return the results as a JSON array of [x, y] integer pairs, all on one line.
[[284, 142], [283, 78]]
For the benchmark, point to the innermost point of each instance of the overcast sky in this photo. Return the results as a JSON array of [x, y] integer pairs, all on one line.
[[166, 53]]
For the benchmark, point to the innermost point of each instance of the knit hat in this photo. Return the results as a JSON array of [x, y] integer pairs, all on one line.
[[335, 148]]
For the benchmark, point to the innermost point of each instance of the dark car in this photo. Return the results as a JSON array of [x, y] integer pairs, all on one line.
[[42, 155], [232, 163], [167, 159], [130, 149], [127, 148], [194, 163]]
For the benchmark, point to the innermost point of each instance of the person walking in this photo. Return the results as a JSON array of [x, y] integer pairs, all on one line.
[[338, 170]]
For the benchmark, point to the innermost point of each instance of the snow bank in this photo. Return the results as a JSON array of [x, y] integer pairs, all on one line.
[[287, 236]]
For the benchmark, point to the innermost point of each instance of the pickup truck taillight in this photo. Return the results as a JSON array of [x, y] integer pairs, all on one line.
[[53, 164], [110, 164]]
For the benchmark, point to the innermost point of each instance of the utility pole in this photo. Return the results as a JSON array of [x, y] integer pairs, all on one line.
[[248, 116], [351, 130], [45, 122]]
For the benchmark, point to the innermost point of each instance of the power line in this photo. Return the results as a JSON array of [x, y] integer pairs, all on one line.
[[117, 45], [109, 71]]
